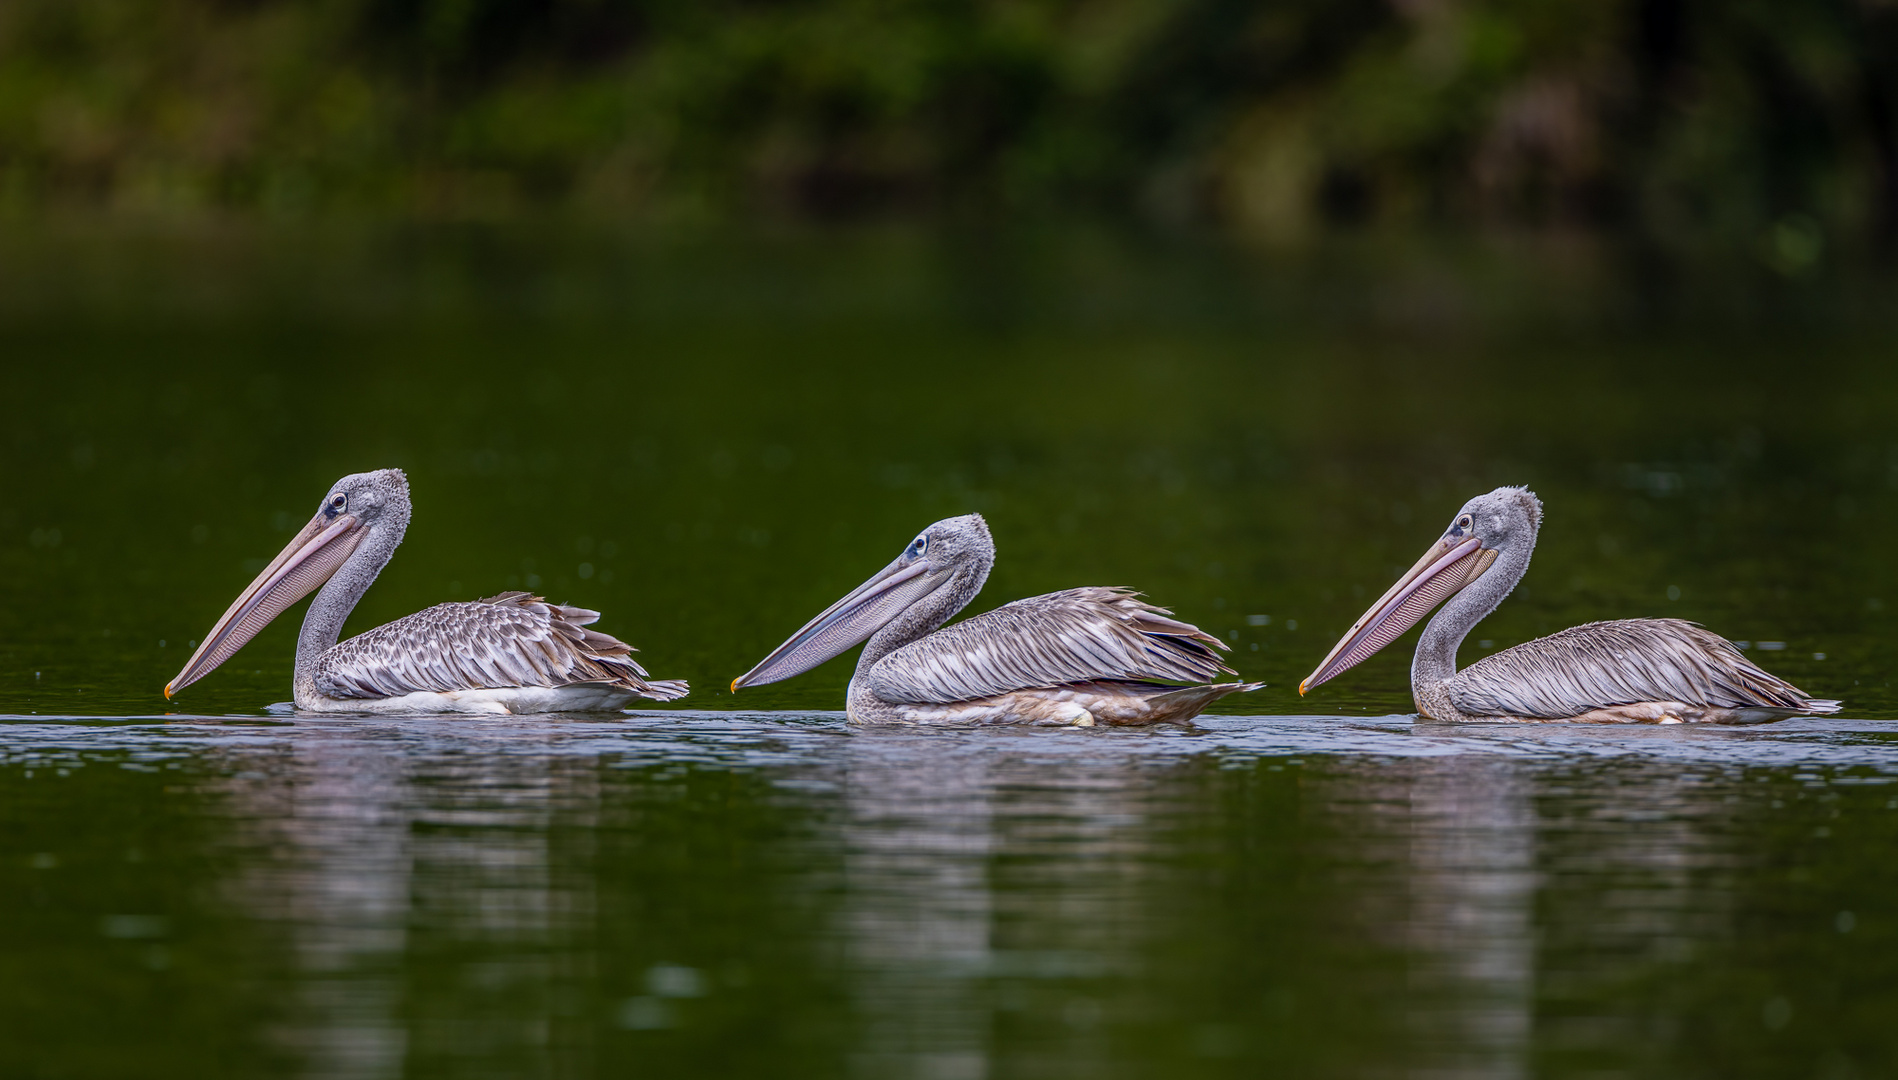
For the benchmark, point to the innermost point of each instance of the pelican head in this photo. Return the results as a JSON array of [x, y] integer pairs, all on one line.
[[357, 507], [1503, 521], [949, 560]]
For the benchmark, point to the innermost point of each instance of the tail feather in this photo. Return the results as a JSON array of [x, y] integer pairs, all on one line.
[[665, 689], [1186, 702]]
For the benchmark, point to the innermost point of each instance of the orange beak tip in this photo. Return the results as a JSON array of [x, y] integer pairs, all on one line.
[[167, 691], [1302, 687], [735, 684]]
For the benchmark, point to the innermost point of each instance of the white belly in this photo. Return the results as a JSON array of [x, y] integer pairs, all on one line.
[[500, 701]]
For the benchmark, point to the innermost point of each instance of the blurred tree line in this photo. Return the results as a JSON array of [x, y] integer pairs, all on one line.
[[1689, 117]]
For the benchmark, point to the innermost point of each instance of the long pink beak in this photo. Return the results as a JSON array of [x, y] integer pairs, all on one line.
[[847, 622], [311, 558], [1444, 570]]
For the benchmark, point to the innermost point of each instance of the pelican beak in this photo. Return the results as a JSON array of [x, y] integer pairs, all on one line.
[[1449, 565], [310, 559], [846, 623]]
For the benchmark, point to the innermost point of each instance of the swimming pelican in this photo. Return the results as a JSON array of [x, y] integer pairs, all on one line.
[[1656, 671], [511, 653], [1079, 657]]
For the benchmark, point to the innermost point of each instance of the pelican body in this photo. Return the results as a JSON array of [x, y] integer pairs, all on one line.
[[1079, 657], [1657, 671], [512, 653]]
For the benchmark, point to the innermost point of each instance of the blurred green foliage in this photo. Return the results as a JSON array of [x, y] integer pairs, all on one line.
[[1776, 122]]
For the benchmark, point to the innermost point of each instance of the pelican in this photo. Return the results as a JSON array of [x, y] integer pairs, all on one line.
[[1076, 657], [1626, 671], [511, 653]]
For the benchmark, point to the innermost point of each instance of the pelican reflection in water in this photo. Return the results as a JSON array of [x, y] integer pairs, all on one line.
[[1664, 671], [511, 653], [1079, 657]]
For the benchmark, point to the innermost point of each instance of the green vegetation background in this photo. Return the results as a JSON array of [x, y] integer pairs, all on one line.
[[1771, 122]]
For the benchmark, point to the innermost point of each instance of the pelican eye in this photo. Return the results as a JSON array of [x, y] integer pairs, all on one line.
[[337, 503], [1465, 523], [916, 548]]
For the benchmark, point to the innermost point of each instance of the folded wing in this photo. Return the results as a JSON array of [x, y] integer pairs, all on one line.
[[1077, 635], [1621, 662], [514, 639]]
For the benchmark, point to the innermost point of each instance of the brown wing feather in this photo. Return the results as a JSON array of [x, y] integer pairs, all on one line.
[[513, 639], [1621, 662], [1077, 635]]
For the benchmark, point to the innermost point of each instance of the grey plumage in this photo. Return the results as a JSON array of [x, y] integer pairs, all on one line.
[[509, 653], [514, 639], [1078, 657], [1621, 662], [1624, 671], [1076, 635]]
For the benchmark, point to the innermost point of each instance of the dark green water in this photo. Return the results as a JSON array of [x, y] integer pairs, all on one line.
[[710, 440]]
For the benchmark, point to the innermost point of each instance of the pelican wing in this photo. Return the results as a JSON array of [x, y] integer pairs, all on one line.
[[1621, 662], [509, 640], [1077, 635]]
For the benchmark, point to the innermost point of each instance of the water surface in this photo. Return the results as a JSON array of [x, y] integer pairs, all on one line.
[[711, 440]]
